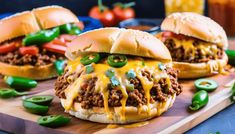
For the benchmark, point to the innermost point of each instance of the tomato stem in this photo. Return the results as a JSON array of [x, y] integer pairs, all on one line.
[[101, 6], [125, 5]]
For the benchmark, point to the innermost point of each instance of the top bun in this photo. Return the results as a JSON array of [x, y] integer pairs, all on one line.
[[196, 25], [27, 22], [119, 41]]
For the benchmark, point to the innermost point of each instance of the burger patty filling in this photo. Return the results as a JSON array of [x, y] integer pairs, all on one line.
[[43, 58], [136, 97], [189, 49]]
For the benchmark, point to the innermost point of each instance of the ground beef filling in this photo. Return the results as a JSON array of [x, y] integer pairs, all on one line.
[[43, 58], [178, 54], [88, 98]]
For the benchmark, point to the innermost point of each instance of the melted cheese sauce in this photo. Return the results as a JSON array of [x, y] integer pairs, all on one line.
[[206, 48], [133, 125], [102, 83]]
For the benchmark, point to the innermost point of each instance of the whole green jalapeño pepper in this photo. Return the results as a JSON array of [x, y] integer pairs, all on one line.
[[70, 29], [40, 99], [117, 60], [35, 108], [20, 83], [92, 58], [53, 121], [59, 65], [231, 56], [206, 84], [41, 37], [9, 93], [199, 100]]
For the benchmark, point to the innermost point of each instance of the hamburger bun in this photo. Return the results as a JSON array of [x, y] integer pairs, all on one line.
[[28, 22], [197, 26], [132, 43], [97, 114], [119, 41], [200, 28]]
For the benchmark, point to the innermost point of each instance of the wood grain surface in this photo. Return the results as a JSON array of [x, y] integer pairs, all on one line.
[[178, 119]]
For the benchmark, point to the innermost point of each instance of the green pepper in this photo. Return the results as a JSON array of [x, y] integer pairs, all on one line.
[[70, 29], [59, 65], [114, 81], [9, 93], [130, 87], [41, 37], [35, 108], [92, 58], [53, 121], [161, 66], [233, 93], [231, 56], [110, 73], [40, 99], [131, 74], [117, 60], [89, 69], [20, 83], [206, 84], [199, 100]]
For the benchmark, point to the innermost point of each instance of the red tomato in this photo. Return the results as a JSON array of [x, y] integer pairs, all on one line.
[[9, 47], [30, 50], [59, 41], [55, 48], [123, 13], [106, 16]]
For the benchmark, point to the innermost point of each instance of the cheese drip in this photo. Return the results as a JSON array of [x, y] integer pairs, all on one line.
[[206, 48], [101, 85]]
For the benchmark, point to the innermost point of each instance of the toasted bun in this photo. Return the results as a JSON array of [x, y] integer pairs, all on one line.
[[32, 21], [131, 113], [28, 71], [196, 70], [195, 25], [119, 41]]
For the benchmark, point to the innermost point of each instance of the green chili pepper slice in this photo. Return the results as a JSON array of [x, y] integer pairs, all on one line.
[[92, 58], [40, 99], [35, 108], [20, 83], [59, 65], [75, 31], [206, 84], [89, 69], [199, 100], [117, 60], [53, 121], [41, 37], [9, 93], [231, 56]]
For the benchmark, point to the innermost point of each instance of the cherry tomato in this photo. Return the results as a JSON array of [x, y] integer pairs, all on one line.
[[103, 14], [9, 47], [30, 50], [123, 11], [54, 48]]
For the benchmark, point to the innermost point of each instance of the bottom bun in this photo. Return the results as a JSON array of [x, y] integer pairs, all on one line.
[[28, 71], [197, 70], [132, 114]]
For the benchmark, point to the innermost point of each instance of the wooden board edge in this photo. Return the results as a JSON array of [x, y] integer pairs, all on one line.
[[220, 101]]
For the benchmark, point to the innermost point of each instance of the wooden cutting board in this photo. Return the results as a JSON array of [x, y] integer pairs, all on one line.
[[177, 119]]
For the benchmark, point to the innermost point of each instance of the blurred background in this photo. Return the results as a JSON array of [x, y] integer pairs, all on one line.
[[143, 8], [222, 11]]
